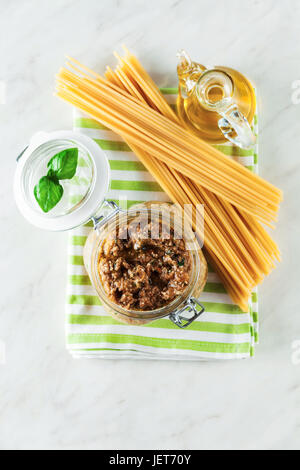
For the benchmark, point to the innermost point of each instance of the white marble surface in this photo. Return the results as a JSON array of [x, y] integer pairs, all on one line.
[[47, 399]]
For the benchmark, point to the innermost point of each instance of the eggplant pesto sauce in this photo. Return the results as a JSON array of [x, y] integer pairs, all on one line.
[[143, 273]]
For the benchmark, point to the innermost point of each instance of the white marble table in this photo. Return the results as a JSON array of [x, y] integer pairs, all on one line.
[[47, 399]]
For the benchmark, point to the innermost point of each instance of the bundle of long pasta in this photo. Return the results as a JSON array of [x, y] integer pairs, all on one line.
[[169, 142], [249, 247], [240, 249]]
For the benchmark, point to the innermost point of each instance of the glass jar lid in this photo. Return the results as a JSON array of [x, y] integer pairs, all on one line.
[[82, 195]]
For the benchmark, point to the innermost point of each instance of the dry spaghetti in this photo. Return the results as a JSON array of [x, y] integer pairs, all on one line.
[[170, 143]]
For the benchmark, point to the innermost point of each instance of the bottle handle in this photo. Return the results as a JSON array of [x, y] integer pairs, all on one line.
[[233, 121]]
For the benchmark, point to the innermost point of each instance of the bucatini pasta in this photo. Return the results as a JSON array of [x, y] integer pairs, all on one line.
[[170, 143]]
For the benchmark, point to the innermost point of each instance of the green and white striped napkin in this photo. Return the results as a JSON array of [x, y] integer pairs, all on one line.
[[222, 332]]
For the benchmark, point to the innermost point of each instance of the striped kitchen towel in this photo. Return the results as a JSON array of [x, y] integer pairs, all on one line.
[[222, 332]]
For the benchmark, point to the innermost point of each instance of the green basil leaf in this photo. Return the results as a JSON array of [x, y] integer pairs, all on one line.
[[48, 193], [64, 163], [52, 175]]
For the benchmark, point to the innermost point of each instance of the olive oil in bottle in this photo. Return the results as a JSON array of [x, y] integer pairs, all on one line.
[[216, 104]]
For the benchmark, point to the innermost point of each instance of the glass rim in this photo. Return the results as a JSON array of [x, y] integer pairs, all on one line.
[[37, 153]]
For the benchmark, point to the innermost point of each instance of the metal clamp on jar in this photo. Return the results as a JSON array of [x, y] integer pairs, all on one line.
[[83, 200]]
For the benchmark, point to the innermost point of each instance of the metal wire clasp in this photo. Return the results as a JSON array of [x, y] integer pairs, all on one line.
[[20, 155], [189, 307], [101, 219]]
